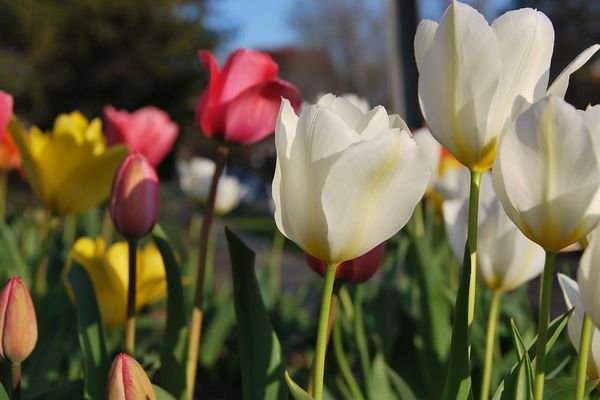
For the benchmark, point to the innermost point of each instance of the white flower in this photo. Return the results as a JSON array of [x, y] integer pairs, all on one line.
[[505, 257], [471, 75], [345, 180], [195, 177], [547, 173]]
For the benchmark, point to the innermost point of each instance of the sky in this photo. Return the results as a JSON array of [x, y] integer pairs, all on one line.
[[265, 24]]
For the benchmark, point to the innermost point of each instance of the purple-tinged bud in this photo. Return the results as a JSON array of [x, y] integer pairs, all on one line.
[[134, 201], [357, 270], [127, 380], [18, 325]]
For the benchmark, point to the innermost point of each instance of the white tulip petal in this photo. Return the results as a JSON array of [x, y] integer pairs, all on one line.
[[588, 277], [571, 293], [396, 122], [372, 123], [456, 214], [371, 191], [430, 150], [423, 39], [348, 112], [561, 83], [453, 184], [458, 80], [526, 39]]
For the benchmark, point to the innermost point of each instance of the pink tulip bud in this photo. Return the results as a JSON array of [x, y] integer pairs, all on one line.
[[134, 200], [18, 325], [127, 380], [241, 102], [357, 270], [6, 110]]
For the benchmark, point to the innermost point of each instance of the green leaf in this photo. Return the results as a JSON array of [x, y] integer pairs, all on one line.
[[173, 350], [260, 352], [562, 388], [162, 394], [517, 340], [13, 255], [400, 386], [3, 394], [68, 390], [91, 334], [297, 392], [217, 331], [379, 387]]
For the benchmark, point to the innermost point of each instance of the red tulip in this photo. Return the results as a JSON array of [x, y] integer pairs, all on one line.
[[18, 325], [134, 200], [242, 101], [6, 110], [127, 380], [357, 270], [148, 130]]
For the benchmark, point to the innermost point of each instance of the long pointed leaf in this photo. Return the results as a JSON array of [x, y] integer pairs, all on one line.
[[173, 354], [260, 352]]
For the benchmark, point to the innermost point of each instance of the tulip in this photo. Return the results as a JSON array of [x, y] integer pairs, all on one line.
[[108, 272], [127, 380], [134, 201], [18, 325], [506, 258], [69, 169], [241, 102], [471, 75], [195, 177], [573, 299], [358, 270], [10, 157], [6, 110], [148, 131], [345, 181]]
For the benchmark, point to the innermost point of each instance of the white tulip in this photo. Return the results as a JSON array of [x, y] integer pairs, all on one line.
[[449, 178], [588, 277], [547, 173], [195, 177], [345, 180], [471, 75], [505, 257], [572, 295]]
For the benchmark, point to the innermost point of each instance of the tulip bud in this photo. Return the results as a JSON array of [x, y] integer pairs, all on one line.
[[127, 380], [18, 325], [134, 200], [357, 270]]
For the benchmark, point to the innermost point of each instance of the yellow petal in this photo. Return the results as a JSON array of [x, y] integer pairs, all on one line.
[[29, 165]]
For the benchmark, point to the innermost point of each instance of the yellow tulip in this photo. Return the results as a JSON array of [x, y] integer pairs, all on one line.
[[70, 169], [108, 271]]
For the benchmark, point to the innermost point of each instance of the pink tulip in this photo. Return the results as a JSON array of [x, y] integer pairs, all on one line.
[[134, 201], [127, 380], [148, 130], [242, 101], [357, 270], [6, 110], [18, 325]]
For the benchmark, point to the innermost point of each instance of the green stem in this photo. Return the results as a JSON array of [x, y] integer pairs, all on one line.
[[540, 349], [458, 377], [489, 345], [195, 327], [361, 337], [131, 288], [275, 264], [321, 346], [582, 360], [211, 247], [419, 222], [69, 230], [15, 370], [340, 356], [3, 193], [107, 227]]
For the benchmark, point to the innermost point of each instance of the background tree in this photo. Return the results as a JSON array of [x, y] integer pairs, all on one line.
[[59, 55]]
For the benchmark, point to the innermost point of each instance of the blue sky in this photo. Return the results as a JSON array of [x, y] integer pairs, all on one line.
[[265, 23]]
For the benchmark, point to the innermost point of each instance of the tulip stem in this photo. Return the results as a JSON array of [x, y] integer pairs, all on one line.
[[195, 328], [489, 345], [321, 346], [3, 193], [540, 348], [458, 377], [130, 324], [15, 370], [275, 264], [582, 360], [340, 356]]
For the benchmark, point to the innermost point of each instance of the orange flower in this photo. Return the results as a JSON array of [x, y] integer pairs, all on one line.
[[10, 158]]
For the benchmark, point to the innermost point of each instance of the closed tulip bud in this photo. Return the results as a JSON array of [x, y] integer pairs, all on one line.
[[18, 326], [134, 201], [357, 270], [127, 380]]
